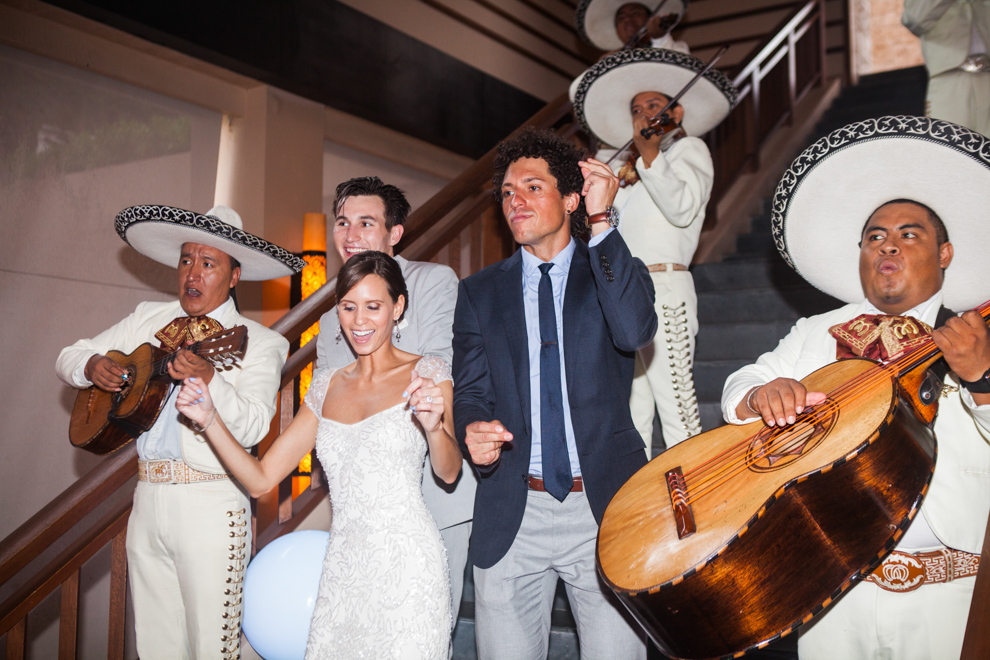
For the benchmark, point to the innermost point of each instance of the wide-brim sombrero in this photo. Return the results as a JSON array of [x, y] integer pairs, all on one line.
[[595, 19], [602, 97], [829, 192], [159, 232]]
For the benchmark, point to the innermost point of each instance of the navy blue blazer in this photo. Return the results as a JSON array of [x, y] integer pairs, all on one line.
[[608, 315]]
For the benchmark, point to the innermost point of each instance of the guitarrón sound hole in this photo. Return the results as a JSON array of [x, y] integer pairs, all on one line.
[[775, 447]]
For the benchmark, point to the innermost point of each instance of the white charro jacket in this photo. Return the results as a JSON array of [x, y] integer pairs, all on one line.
[[958, 501], [244, 393]]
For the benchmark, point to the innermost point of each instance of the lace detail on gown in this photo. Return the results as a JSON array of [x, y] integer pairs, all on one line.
[[385, 591], [435, 367]]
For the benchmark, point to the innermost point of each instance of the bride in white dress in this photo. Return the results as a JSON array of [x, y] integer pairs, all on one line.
[[384, 591]]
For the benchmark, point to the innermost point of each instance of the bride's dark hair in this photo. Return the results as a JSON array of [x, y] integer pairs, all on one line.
[[367, 263]]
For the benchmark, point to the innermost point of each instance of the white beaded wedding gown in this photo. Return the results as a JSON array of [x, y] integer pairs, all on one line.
[[385, 590]]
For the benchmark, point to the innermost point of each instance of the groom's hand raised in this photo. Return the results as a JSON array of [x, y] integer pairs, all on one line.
[[484, 441]]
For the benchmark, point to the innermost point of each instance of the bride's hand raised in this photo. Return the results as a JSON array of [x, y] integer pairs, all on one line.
[[426, 401], [194, 402]]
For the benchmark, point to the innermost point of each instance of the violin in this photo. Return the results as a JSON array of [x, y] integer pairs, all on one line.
[[661, 125]]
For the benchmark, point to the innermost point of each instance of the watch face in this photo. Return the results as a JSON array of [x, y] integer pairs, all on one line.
[[612, 216]]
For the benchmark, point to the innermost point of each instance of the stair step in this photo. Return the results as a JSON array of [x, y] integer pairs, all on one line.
[[751, 274], [710, 375], [739, 341], [757, 241], [711, 415], [762, 304], [563, 642]]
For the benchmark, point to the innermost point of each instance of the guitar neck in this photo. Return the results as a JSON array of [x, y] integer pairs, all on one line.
[[160, 366], [927, 350]]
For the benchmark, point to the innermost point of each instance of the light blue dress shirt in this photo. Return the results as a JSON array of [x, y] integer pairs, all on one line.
[[531, 304], [163, 441]]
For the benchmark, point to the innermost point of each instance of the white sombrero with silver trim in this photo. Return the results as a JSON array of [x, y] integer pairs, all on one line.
[[159, 232], [602, 97], [595, 19], [829, 192]]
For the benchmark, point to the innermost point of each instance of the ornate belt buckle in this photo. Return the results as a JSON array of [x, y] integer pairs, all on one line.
[[160, 472], [976, 63], [899, 572]]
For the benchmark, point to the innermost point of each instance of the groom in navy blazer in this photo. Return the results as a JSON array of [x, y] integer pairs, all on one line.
[[547, 425]]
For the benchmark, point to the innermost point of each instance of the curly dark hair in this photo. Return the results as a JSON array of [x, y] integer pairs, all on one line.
[[562, 161], [367, 263], [396, 205]]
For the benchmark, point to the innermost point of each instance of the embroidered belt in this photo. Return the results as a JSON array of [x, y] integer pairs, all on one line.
[[167, 471], [901, 571], [660, 268], [536, 483]]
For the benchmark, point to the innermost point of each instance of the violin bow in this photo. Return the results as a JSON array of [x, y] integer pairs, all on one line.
[[648, 131]]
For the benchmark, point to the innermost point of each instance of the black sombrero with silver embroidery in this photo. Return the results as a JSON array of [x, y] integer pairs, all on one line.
[[595, 19], [601, 102], [159, 232], [829, 192]]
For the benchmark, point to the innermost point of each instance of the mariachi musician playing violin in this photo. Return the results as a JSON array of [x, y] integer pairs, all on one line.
[[666, 181], [867, 215]]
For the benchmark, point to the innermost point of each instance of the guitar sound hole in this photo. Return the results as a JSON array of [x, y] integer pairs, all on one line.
[[776, 447]]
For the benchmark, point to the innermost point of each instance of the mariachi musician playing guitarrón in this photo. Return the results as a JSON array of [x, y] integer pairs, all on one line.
[[189, 533], [899, 188]]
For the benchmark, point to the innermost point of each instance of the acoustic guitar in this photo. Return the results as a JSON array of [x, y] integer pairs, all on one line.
[[103, 422], [735, 537]]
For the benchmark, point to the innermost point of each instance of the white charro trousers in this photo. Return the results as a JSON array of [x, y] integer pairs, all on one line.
[[664, 379], [187, 548], [870, 623]]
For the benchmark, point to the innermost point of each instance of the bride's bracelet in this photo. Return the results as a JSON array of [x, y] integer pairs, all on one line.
[[202, 429]]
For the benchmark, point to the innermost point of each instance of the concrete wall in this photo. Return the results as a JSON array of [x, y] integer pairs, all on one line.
[[878, 40]]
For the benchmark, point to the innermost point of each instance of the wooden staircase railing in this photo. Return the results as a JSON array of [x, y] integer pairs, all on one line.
[[64, 535], [786, 66]]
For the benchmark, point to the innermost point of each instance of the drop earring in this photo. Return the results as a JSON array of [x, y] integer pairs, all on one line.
[[337, 336], [398, 333]]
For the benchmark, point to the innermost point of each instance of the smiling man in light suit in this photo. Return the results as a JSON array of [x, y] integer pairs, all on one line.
[[369, 215]]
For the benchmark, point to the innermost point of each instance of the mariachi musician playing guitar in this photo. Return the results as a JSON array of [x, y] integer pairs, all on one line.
[[188, 535], [905, 187]]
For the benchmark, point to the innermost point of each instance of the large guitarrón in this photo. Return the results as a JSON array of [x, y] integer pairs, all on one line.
[[735, 537]]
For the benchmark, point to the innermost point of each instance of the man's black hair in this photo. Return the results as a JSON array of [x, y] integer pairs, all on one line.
[[396, 205], [562, 162], [941, 233]]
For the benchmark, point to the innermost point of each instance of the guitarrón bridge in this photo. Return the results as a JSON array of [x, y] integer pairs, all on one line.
[[683, 515]]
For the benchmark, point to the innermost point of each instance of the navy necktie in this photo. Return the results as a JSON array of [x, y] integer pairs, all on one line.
[[556, 463]]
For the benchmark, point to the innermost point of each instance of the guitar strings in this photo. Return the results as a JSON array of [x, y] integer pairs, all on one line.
[[703, 481], [713, 473]]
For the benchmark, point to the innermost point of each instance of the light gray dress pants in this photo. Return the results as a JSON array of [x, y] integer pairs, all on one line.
[[514, 598]]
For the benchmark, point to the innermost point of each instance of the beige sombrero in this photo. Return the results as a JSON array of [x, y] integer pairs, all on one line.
[[830, 190], [159, 232]]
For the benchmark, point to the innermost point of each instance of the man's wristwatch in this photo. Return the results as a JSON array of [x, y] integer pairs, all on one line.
[[609, 215], [981, 386]]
